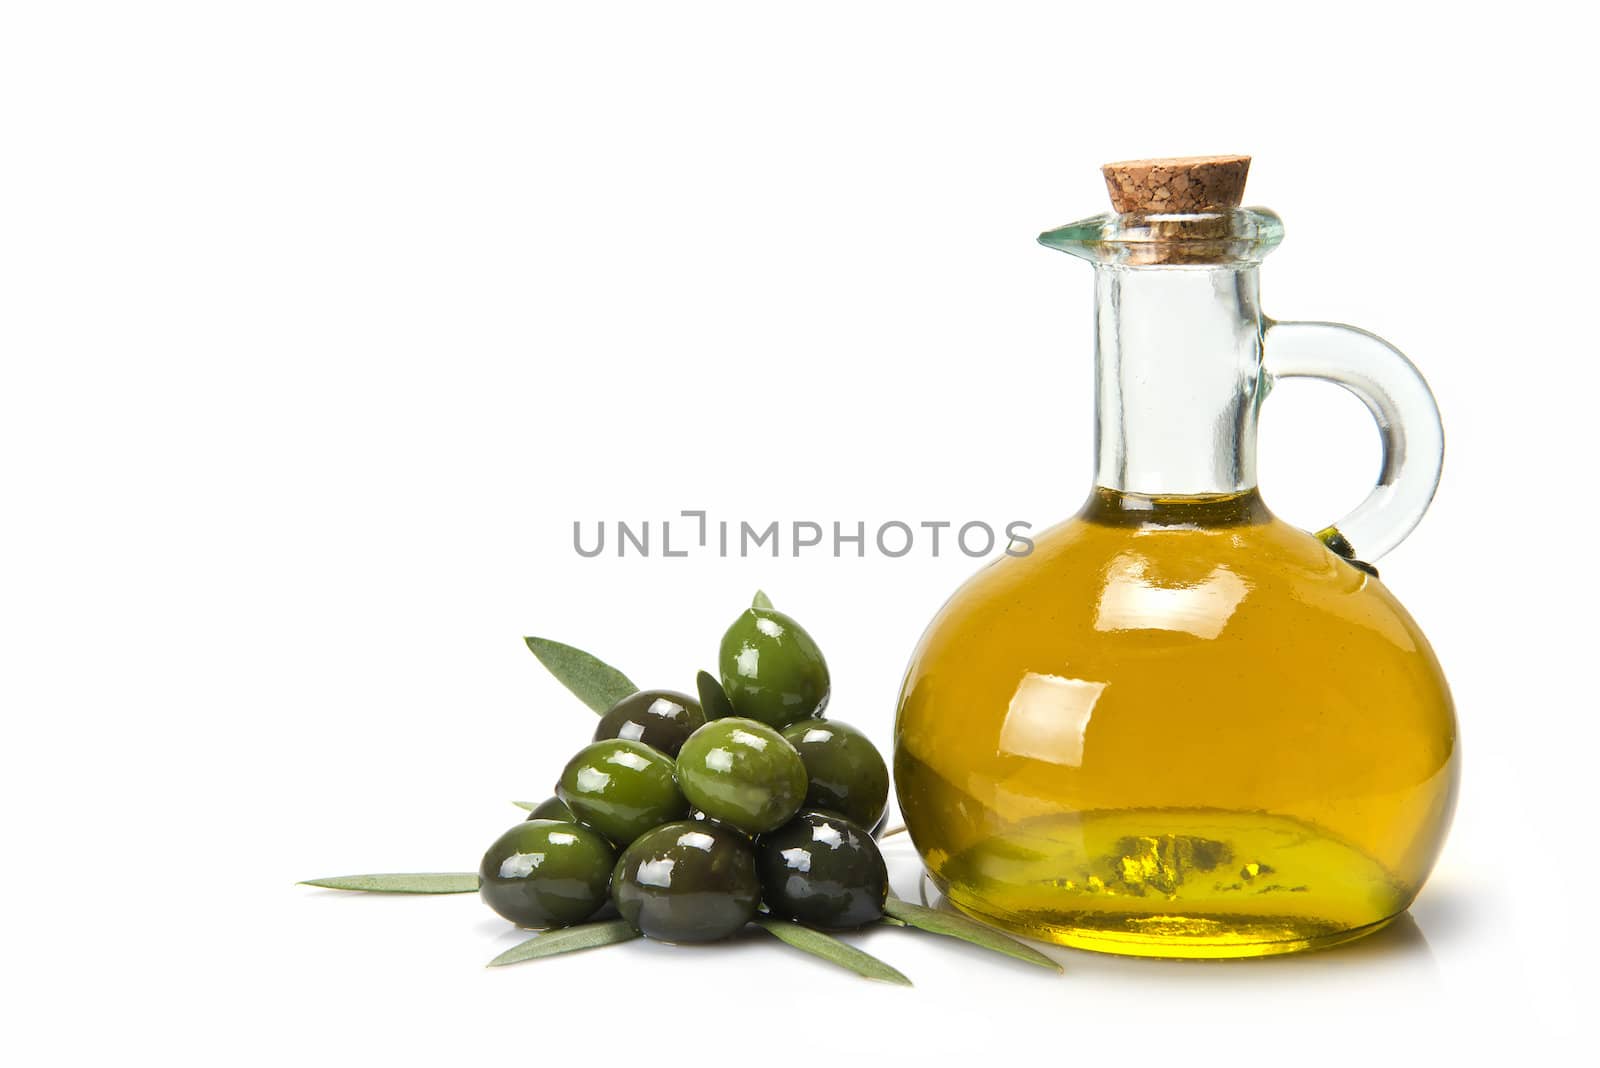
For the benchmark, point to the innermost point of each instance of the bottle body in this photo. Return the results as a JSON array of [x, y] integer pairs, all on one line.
[[1179, 727]]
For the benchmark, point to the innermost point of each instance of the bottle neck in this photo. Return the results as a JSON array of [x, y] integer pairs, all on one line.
[[1178, 379]]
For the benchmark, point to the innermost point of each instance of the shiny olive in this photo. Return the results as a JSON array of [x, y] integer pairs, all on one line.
[[822, 870], [713, 698], [742, 773], [771, 669], [546, 873], [552, 808], [847, 773], [621, 788], [699, 816], [687, 882], [661, 719]]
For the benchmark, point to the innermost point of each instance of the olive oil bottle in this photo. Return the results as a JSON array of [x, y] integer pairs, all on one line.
[[1181, 727]]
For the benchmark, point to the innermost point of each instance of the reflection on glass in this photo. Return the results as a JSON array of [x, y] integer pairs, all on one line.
[[1048, 717], [1132, 600]]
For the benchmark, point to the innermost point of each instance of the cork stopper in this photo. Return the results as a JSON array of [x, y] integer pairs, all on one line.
[[1185, 186]]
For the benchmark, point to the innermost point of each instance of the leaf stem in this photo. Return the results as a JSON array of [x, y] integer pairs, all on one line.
[[567, 940], [449, 882], [954, 925], [832, 950], [593, 681]]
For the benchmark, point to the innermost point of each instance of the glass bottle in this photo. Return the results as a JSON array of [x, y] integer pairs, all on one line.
[[1181, 727]]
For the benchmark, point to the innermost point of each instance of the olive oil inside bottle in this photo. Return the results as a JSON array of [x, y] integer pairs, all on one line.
[[1181, 727]]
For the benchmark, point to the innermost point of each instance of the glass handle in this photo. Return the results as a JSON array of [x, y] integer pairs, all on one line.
[[1408, 423]]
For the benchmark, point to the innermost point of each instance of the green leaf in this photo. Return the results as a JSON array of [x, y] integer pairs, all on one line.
[[449, 882], [761, 600], [953, 926], [596, 683], [713, 698], [567, 940], [832, 950], [527, 806]]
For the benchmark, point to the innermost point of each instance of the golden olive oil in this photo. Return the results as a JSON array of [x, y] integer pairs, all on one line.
[[1179, 728]]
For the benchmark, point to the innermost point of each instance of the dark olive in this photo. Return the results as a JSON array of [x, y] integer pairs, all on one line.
[[713, 698], [771, 669], [847, 773], [742, 773], [661, 719], [621, 789], [546, 873], [553, 808], [687, 882], [821, 870]]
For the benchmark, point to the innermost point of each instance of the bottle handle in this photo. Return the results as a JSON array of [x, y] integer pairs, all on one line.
[[1408, 424]]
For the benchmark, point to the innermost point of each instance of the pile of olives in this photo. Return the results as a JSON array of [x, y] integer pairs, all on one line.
[[690, 817]]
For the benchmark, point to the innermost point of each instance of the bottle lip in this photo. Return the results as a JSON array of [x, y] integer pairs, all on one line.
[[1234, 237]]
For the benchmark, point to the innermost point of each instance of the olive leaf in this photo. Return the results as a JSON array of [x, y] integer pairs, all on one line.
[[567, 940], [831, 949], [527, 806], [713, 698], [761, 600], [953, 926], [449, 882], [594, 682]]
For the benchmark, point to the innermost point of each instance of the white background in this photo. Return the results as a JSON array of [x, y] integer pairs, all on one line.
[[322, 323]]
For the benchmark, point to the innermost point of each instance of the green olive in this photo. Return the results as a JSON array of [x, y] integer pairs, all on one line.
[[742, 773], [553, 808], [661, 719], [847, 773], [697, 816], [621, 788], [546, 873], [687, 882], [822, 870], [771, 669]]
